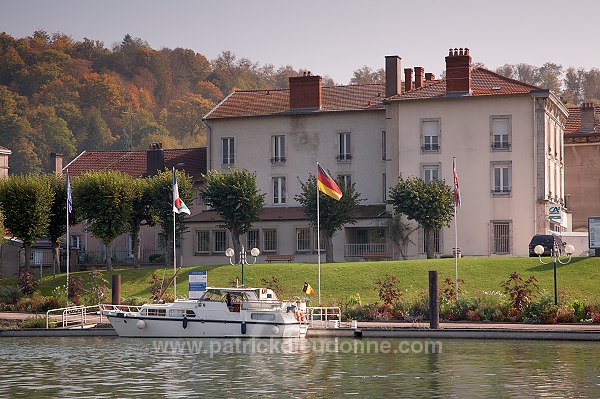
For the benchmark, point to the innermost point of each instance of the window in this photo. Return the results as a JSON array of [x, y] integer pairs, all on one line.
[[431, 172], [75, 241], [437, 238], [431, 135], [321, 241], [279, 191], [270, 240], [501, 133], [501, 172], [346, 180], [303, 239], [203, 241], [345, 152], [501, 237], [278, 149], [228, 150], [220, 240], [383, 146], [252, 239], [384, 186]]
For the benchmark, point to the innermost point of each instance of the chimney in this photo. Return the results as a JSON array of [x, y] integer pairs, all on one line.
[[56, 163], [155, 159], [306, 91], [393, 80], [588, 121], [419, 71], [429, 76], [408, 79], [458, 71]]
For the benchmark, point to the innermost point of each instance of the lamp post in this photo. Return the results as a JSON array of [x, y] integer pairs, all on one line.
[[555, 254], [229, 252]]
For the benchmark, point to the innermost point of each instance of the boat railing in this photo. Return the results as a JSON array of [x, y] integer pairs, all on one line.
[[75, 316], [324, 316], [120, 308]]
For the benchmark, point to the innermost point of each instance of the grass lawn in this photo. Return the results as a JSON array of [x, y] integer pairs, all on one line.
[[340, 280]]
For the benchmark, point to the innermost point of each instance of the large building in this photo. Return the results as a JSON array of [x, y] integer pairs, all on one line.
[[506, 136]]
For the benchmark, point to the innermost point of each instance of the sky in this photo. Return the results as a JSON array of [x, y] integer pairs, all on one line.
[[331, 37]]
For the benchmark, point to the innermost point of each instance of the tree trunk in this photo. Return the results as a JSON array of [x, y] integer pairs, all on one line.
[[27, 263], [109, 250], [329, 249], [135, 237], [237, 245], [56, 257], [429, 233]]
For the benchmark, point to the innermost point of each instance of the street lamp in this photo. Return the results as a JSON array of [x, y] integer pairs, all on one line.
[[555, 254], [229, 252]]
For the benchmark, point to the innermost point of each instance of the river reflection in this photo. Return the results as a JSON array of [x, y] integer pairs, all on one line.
[[136, 368]]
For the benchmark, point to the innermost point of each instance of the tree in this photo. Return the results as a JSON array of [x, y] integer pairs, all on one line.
[[105, 200], [366, 75], [235, 197], [161, 194], [25, 201], [400, 232], [334, 214], [573, 82], [550, 76], [185, 115], [429, 204], [141, 212]]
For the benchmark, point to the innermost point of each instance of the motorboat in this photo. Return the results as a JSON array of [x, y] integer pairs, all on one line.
[[219, 312]]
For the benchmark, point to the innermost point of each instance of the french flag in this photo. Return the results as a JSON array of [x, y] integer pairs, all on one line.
[[178, 205]]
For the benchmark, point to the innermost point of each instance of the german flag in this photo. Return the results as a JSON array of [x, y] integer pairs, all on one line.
[[327, 185], [308, 289]]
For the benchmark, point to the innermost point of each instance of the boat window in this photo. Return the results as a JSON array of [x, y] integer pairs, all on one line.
[[262, 316], [157, 312], [144, 312], [190, 313]]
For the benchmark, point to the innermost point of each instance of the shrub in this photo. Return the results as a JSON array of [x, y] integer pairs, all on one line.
[[579, 311], [449, 292], [75, 288], [155, 287], [133, 301], [389, 291], [543, 310], [564, 314], [27, 282], [520, 291], [9, 294], [157, 258], [37, 322], [596, 318]]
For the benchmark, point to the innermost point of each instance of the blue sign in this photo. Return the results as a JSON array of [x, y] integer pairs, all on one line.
[[197, 281]]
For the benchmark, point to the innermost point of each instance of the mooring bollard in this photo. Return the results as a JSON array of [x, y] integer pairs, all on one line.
[[434, 304], [116, 289]]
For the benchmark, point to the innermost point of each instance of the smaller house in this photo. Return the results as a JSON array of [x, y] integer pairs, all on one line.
[[4, 155]]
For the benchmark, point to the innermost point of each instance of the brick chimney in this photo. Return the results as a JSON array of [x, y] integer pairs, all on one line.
[[429, 76], [408, 80], [419, 72], [56, 163], [588, 120], [155, 159], [458, 71], [306, 91], [393, 80]]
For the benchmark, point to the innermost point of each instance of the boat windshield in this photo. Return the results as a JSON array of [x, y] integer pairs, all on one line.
[[224, 296]]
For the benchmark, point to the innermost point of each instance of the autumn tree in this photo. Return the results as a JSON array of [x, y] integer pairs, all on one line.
[[26, 201], [366, 75], [430, 204], [233, 194], [334, 215]]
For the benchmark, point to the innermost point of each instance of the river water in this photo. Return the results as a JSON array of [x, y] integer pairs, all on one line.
[[108, 367]]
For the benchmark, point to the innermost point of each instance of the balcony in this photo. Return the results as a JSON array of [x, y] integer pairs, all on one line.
[[501, 146], [357, 250], [277, 160], [343, 157], [430, 147]]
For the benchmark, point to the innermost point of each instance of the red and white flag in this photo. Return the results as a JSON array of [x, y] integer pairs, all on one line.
[[178, 204], [456, 188]]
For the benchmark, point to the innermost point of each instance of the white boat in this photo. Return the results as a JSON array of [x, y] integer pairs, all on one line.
[[220, 312]]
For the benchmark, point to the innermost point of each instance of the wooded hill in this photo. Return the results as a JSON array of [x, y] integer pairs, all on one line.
[[62, 95]]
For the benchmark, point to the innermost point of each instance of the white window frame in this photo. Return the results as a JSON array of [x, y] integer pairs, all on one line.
[[279, 190], [431, 142], [501, 178], [252, 243], [430, 169], [437, 236], [267, 241], [75, 241], [303, 236], [344, 147], [346, 180], [278, 149], [227, 151], [216, 240], [500, 141]]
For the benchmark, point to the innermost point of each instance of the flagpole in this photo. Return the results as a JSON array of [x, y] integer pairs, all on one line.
[[318, 238], [455, 227], [68, 237], [174, 250]]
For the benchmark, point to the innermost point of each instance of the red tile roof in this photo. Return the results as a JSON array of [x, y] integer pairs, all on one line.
[[274, 102], [133, 163], [483, 83], [2, 148], [573, 133]]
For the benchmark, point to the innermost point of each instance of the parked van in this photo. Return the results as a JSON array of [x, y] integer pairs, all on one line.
[[548, 241]]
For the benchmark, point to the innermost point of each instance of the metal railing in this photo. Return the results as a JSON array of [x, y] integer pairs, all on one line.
[[360, 249], [120, 256], [120, 308], [75, 316], [324, 315]]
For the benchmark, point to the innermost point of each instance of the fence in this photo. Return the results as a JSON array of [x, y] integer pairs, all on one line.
[[123, 257], [359, 249]]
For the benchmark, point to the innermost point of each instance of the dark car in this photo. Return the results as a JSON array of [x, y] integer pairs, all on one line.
[[548, 241]]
